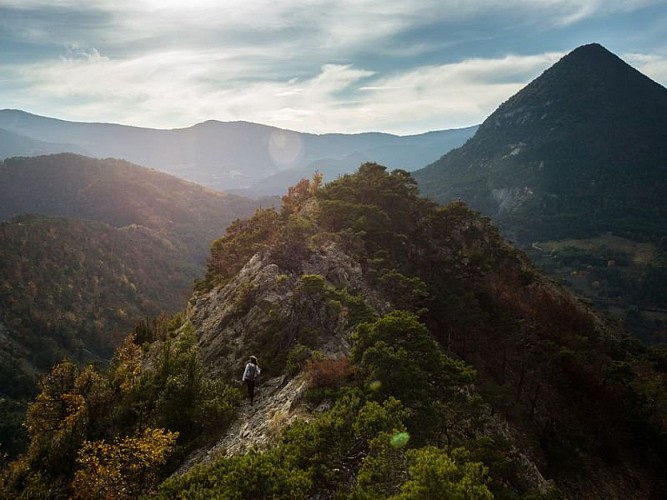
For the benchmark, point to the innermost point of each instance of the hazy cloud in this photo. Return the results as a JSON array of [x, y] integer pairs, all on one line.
[[313, 65]]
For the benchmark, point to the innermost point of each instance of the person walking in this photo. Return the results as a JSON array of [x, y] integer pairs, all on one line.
[[250, 375]]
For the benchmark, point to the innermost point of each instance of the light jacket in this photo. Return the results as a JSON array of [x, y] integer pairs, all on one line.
[[251, 371]]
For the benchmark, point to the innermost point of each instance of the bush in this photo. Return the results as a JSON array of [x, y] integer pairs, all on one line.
[[329, 372], [123, 469]]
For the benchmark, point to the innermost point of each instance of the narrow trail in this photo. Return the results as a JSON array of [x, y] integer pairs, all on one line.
[[257, 426]]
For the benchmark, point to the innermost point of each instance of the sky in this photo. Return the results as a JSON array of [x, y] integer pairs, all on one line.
[[318, 66]]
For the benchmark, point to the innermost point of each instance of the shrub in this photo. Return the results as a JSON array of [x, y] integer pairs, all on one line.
[[329, 372], [123, 469]]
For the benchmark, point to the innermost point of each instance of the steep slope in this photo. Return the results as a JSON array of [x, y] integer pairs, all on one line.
[[232, 155], [120, 194], [162, 226], [574, 169], [73, 288], [544, 360], [579, 151], [131, 245]]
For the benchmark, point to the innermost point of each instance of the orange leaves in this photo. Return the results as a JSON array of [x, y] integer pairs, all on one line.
[[126, 468], [329, 372]]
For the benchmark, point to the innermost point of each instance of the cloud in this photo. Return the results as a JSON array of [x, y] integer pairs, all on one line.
[[652, 65], [181, 88], [313, 65]]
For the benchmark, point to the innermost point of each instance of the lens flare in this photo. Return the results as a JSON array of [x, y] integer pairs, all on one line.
[[375, 385], [285, 147], [400, 439]]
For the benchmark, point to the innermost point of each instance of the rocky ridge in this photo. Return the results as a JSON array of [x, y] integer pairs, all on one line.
[[226, 320]]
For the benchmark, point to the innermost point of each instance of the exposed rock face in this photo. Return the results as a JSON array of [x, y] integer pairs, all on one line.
[[261, 304], [230, 319], [258, 426], [510, 198]]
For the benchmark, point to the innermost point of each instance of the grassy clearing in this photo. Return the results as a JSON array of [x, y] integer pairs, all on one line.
[[639, 253]]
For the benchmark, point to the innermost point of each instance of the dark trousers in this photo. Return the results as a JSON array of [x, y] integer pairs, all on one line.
[[251, 389]]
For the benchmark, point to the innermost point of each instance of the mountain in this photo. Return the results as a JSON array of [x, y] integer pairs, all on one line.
[[408, 155], [75, 288], [579, 154], [113, 245], [233, 155], [407, 351], [120, 194], [16, 145]]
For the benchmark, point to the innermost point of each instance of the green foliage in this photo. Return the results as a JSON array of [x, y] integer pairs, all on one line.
[[373, 204], [242, 240], [285, 233], [313, 458], [399, 358], [314, 303], [13, 436], [433, 473], [297, 358], [406, 293], [85, 424], [269, 475], [383, 470], [177, 394]]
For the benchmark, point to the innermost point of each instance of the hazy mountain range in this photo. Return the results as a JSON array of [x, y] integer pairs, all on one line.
[[226, 156]]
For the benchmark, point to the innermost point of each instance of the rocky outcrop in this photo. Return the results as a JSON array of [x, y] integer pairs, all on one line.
[[229, 320], [264, 303]]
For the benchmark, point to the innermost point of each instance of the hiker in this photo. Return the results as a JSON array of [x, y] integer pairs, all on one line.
[[249, 375]]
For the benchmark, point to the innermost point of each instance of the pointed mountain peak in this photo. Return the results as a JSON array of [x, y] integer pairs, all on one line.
[[593, 62], [591, 51], [588, 83], [582, 147]]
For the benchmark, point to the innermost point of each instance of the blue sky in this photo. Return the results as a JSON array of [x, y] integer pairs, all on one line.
[[314, 66]]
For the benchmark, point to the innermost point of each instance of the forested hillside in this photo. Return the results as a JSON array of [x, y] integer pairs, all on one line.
[[434, 362], [113, 244], [574, 169], [120, 194]]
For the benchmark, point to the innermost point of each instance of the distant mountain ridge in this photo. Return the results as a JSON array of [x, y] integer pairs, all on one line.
[[232, 155], [12, 144]]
